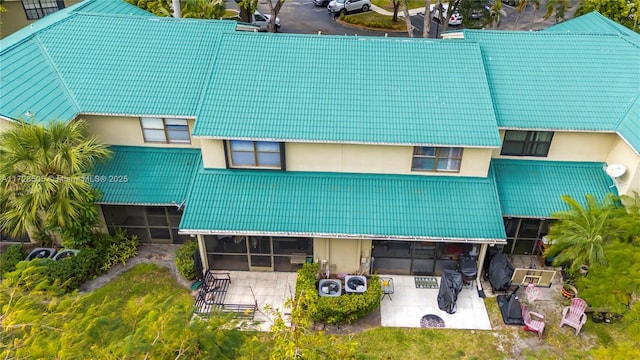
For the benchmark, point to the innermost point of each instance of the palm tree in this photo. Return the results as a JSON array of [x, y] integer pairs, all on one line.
[[43, 175], [203, 9], [557, 7], [522, 4], [579, 235]]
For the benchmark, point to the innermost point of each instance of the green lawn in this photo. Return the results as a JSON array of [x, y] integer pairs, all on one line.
[[372, 19], [413, 4]]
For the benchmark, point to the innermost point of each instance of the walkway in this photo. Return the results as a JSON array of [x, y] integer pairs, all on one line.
[[412, 12]]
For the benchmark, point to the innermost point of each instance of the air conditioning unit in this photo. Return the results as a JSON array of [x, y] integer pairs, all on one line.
[[355, 283], [330, 287]]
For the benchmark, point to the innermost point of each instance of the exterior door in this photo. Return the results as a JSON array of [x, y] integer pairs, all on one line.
[[260, 253]]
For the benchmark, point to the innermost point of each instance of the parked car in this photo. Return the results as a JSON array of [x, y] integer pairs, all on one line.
[[261, 20], [348, 6], [454, 20], [321, 2]]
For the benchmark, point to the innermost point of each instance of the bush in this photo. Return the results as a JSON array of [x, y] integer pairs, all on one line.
[[122, 247], [337, 310], [10, 258], [184, 259], [71, 272], [33, 276]]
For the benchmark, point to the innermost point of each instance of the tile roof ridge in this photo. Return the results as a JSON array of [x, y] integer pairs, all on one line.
[[63, 83]]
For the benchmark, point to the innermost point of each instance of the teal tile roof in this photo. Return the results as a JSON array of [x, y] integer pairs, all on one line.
[[31, 84], [343, 205], [111, 64], [154, 176], [560, 81], [629, 127], [348, 90], [595, 23], [133, 70], [111, 7], [534, 188]]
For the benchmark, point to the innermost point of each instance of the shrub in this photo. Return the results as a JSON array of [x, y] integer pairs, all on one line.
[[71, 272], [341, 309], [33, 276], [122, 247], [184, 259], [12, 256]]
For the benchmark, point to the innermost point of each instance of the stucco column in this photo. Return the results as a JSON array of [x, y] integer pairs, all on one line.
[[481, 256], [203, 253]]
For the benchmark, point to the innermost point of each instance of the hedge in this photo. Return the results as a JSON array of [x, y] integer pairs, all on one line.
[[342, 309]]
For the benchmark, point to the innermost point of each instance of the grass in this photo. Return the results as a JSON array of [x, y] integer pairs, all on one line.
[[110, 314], [413, 4], [372, 19]]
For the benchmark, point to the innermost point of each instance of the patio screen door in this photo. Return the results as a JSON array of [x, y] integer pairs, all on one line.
[[260, 253]]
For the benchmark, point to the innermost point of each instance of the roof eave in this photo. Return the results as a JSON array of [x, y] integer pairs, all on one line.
[[343, 142], [342, 236]]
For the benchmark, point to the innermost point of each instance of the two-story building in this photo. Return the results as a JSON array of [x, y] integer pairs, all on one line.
[[405, 156]]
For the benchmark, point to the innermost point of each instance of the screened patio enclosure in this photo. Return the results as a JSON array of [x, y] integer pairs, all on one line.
[[417, 257], [264, 253]]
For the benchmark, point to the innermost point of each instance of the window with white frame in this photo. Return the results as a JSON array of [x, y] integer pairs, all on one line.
[[36, 9], [250, 154], [436, 159], [168, 131]]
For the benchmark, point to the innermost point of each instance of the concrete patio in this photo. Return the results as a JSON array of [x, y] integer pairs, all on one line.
[[408, 305], [267, 288]]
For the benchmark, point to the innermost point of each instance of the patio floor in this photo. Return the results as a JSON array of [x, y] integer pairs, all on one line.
[[408, 305], [267, 288]]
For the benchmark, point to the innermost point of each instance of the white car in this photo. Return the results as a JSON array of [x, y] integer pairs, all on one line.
[[261, 20], [454, 20], [348, 6]]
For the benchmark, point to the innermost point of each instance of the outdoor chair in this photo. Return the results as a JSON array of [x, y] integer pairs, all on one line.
[[536, 324], [574, 315], [533, 293]]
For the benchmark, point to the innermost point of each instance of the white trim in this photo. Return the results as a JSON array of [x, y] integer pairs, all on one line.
[[342, 142], [342, 236]]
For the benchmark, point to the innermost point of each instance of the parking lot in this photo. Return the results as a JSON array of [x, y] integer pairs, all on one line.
[[304, 17]]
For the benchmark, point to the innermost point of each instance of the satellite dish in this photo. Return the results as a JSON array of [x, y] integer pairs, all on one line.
[[616, 170]]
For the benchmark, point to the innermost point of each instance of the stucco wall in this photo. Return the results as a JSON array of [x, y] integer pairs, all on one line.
[[344, 253], [213, 154], [380, 159], [573, 146], [118, 130], [622, 153], [16, 18], [4, 124]]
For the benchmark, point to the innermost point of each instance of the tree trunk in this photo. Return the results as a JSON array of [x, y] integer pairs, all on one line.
[[426, 28], [175, 4], [407, 18], [396, 5], [274, 9], [244, 15], [444, 16]]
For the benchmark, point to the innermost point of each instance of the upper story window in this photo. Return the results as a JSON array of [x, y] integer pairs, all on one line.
[[36, 9], [168, 131], [442, 159], [249, 154], [526, 143]]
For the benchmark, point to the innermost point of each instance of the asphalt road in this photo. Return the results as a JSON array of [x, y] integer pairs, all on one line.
[[304, 17]]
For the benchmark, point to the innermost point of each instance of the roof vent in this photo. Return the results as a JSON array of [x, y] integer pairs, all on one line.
[[616, 170]]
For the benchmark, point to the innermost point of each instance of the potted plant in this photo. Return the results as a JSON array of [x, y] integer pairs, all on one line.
[[569, 291]]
